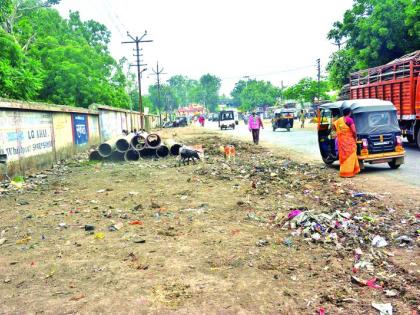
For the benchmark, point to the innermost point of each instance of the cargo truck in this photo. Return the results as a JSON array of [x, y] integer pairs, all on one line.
[[398, 82]]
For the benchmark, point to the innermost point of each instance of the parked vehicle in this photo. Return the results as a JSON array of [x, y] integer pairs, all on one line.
[[379, 138], [397, 82], [227, 119], [181, 122], [283, 118]]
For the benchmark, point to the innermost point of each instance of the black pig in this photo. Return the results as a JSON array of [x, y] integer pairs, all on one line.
[[186, 155]]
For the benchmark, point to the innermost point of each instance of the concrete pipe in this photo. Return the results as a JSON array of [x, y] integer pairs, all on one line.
[[153, 141], [147, 153], [132, 155], [173, 146], [105, 149], [95, 156], [138, 142], [117, 156], [162, 151], [123, 144]]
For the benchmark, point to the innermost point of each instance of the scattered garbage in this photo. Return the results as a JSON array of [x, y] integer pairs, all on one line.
[[24, 240], [371, 283], [136, 222], [405, 240], [379, 241], [99, 235], [89, 227], [262, 243], [391, 293], [384, 309]]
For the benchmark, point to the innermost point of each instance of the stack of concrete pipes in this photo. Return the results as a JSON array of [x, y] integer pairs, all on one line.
[[134, 147]]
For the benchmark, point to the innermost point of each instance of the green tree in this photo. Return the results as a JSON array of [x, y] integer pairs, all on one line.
[[168, 101], [258, 93], [306, 90], [209, 91], [237, 90], [20, 77], [374, 32]]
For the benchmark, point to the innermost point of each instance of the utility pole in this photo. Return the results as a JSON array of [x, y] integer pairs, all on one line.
[[136, 40], [158, 72], [318, 66]]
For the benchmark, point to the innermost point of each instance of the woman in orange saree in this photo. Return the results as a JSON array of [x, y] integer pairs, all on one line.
[[347, 147]]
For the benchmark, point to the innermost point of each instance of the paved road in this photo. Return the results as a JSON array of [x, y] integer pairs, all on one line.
[[305, 141]]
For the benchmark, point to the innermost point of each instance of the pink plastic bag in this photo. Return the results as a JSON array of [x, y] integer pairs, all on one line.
[[293, 213]]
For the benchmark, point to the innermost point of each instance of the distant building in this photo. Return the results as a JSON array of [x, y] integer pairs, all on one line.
[[191, 110]]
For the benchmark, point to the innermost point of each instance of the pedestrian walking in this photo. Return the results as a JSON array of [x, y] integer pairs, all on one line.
[[201, 120], [254, 125], [347, 147], [302, 119]]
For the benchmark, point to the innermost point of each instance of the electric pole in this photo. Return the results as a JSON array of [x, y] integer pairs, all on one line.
[[136, 40], [157, 73], [318, 66]]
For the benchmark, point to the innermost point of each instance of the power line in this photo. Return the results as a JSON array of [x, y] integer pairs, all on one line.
[[269, 73], [138, 64], [157, 73], [318, 67]]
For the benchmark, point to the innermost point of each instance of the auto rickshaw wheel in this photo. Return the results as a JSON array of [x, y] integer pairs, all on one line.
[[288, 129], [393, 164], [274, 128], [410, 139]]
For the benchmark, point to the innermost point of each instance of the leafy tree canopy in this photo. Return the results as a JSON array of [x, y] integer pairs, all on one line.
[[57, 60], [306, 90], [372, 33], [258, 93]]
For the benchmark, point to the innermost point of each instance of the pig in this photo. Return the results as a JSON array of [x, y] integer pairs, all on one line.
[[186, 154]]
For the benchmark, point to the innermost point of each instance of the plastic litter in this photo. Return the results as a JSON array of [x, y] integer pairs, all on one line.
[[379, 241], [371, 283], [89, 227], [99, 235], [384, 309], [136, 222], [293, 214], [24, 240]]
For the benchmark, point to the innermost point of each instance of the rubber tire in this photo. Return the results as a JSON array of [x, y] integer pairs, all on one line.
[[410, 139], [288, 129], [393, 165], [274, 129], [233, 127], [418, 139]]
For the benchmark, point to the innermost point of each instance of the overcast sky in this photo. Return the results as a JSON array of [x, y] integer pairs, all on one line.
[[273, 40]]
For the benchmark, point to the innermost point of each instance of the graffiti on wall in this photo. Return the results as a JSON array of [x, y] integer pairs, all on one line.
[[24, 134]]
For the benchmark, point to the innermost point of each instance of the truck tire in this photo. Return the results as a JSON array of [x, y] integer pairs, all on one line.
[[418, 139]]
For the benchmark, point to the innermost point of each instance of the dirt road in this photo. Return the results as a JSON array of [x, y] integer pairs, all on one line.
[[217, 237]]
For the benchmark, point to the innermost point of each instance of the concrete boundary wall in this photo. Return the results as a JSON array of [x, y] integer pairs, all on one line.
[[36, 135]]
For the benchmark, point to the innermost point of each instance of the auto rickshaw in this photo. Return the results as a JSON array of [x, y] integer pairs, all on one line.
[[379, 137], [226, 119], [283, 118]]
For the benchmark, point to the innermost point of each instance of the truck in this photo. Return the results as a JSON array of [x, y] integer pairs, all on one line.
[[398, 82]]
